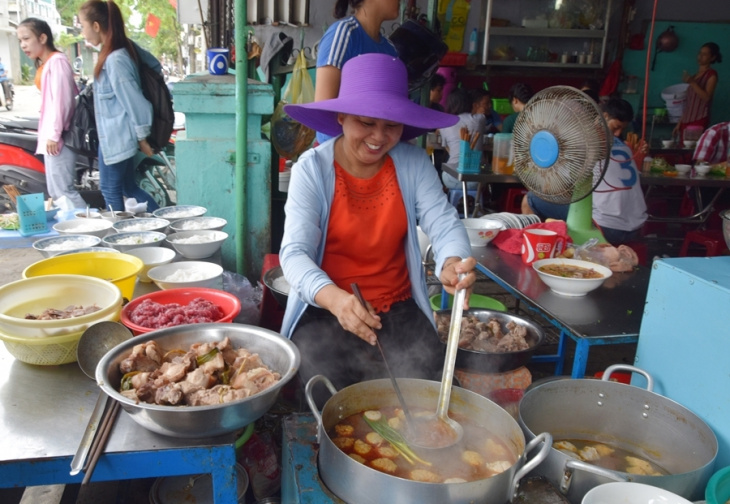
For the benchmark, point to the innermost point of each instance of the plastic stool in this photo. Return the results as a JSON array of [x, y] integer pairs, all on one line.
[[455, 196], [513, 200], [711, 239]]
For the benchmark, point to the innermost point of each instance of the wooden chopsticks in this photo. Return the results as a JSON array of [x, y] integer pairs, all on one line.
[[12, 193], [472, 138], [97, 445]]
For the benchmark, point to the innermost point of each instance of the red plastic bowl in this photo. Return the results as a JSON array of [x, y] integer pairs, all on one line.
[[229, 303]]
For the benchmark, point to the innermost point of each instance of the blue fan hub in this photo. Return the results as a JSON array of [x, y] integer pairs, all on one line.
[[544, 149]]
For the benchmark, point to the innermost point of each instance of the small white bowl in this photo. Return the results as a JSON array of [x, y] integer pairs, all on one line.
[[682, 169], [482, 231], [628, 492], [571, 286], [199, 223], [176, 212], [134, 239], [55, 245], [151, 257], [667, 144], [213, 242], [187, 274], [702, 169], [150, 224], [690, 144], [94, 227]]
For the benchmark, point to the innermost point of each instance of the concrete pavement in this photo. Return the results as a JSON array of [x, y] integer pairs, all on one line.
[[27, 103]]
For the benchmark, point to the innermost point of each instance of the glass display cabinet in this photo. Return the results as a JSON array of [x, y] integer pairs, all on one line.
[[545, 33]]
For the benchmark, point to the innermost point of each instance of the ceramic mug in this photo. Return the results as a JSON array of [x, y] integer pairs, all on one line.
[[540, 244], [218, 61]]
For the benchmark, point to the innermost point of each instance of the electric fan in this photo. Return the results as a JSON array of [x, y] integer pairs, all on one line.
[[561, 152]]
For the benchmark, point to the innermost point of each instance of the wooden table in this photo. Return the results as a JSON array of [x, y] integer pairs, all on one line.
[[609, 315], [694, 183]]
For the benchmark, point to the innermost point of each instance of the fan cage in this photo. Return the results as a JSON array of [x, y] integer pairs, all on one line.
[[584, 143]]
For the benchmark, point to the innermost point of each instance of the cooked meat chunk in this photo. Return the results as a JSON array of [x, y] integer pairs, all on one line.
[[374, 438], [357, 458], [387, 451], [344, 430], [168, 394], [343, 443], [361, 447], [385, 465], [603, 450], [589, 454], [207, 373], [489, 336], [68, 312], [144, 357], [499, 466], [472, 458], [425, 476]]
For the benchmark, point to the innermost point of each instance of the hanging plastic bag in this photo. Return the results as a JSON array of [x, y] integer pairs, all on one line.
[[290, 137]]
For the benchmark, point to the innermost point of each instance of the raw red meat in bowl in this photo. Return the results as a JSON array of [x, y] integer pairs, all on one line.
[[173, 307]]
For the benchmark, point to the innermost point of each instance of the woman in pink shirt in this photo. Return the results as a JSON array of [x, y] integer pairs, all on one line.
[[54, 78]]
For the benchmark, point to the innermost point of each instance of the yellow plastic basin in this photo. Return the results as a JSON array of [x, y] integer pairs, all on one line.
[[119, 269]]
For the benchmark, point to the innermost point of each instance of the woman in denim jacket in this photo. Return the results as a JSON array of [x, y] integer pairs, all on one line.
[[123, 115]]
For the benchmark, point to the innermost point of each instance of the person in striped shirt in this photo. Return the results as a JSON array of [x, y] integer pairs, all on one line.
[[702, 86], [350, 36]]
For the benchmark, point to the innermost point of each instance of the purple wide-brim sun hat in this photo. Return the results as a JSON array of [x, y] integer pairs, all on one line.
[[372, 85]]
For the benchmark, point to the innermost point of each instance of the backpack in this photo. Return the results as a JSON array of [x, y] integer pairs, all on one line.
[[81, 136], [158, 94]]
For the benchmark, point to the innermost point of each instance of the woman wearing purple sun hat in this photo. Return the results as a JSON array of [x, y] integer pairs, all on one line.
[[351, 214]]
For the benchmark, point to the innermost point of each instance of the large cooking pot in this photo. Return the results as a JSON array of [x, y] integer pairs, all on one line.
[[357, 483], [628, 417]]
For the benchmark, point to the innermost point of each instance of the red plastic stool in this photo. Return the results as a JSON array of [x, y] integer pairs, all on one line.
[[513, 200], [711, 239], [271, 313], [642, 251]]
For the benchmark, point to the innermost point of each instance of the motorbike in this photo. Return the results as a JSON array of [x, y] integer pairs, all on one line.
[[21, 167]]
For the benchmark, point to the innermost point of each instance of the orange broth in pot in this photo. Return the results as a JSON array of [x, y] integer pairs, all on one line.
[[480, 454]]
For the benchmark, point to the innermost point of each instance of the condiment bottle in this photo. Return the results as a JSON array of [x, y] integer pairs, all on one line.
[[646, 166]]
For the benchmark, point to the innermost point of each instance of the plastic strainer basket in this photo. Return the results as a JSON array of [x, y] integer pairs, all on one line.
[[50, 351]]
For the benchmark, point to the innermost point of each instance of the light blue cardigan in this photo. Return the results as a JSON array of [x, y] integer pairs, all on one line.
[[123, 115], [308, 205]]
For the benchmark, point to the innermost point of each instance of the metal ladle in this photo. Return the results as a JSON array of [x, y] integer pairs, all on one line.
[[452, 346], [94, 343]]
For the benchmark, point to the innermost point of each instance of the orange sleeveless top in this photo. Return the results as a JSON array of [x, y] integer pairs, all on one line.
[[366, 237]]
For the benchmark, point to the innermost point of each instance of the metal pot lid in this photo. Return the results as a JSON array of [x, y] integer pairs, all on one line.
[[196, 488]]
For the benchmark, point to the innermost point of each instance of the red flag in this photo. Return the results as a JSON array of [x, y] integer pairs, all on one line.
[[152, 26], [173, 3]]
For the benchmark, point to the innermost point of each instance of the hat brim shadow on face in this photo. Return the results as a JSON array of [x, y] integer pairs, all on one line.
[[374, 86]]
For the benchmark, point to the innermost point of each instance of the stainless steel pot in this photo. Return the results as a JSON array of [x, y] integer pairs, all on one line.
[[357, 483], [625, 416]]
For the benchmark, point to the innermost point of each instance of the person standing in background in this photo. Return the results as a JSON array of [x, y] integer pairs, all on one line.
[[123, 115], [519, 95], [351, 36], [702, 86], [4, 83], [54, 78], [459, 103]]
